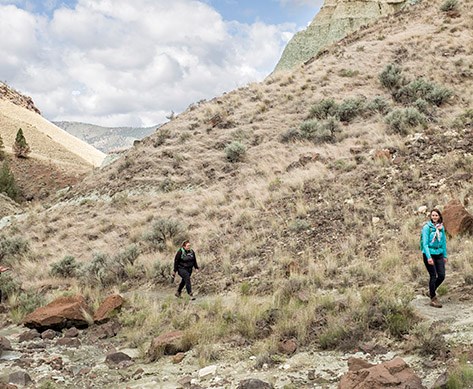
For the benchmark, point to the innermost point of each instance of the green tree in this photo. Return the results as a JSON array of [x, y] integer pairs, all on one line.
[[2, 149], [20, 147], [7, 182]]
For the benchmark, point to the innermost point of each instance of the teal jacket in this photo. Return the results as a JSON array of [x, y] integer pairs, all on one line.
[[429, 245]]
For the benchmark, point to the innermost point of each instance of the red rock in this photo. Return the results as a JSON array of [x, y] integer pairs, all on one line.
[[288, 346], [392, 374], [62, 312], [108, 307], [178, 358], [355, 364], [457, 219], [169, 343]]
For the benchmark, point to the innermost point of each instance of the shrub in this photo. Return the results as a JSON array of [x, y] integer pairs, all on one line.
[[66, 267], [400, 121], [350, 108], [96, 271], [378, 104], [164, 233], [7, 182], [290, 135], [449, 5], [461, 377], [391, 77], [235, 151], [323, 109], [319, 132], [422, 89], [127, 256], [12, 247], [162, 272], [464, 120]]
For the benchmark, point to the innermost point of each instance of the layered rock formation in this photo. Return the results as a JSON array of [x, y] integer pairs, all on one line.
[[336, 19], [7, 93]]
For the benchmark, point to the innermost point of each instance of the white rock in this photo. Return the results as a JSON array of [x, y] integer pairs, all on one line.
[[350, 201], [286, 366], [207, 371], [375, 220], [422, 209], [252, 358]]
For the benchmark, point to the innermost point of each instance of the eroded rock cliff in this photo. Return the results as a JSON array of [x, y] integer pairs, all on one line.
[[336, 19]]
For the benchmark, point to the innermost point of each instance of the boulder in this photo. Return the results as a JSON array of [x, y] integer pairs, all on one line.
[[169, 343], [20, 378], [457, 219], [392, 374], [116, 358], [61, 313], [108, 307], [4, 344], [28, 336], [288, 346], [253, 383]]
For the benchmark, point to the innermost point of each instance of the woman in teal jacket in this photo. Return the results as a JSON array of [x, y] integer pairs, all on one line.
[[434, 251]]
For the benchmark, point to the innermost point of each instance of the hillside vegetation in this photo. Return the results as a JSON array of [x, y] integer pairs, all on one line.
[[57, 159], [299, 194]]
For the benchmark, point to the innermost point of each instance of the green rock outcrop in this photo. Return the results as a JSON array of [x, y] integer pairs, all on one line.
[[336, 19]]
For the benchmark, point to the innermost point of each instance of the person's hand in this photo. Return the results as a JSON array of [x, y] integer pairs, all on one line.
[[430, 261], [445, 260], [4, 268]]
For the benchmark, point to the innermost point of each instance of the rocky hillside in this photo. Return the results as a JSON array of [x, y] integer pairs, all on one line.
[[106, 139], [57, 159], [10, 94], [335, 21], [303, 196]]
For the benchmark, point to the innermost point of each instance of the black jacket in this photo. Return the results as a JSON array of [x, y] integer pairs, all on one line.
[[185, 259]]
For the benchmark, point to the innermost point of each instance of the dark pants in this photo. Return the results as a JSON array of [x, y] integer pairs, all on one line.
[[185, 274], [436, 272]]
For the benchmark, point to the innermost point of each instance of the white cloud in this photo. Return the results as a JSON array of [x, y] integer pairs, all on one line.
[[131, 63]]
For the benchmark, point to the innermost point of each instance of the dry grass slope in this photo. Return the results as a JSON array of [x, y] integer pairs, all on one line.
[[287, 224]]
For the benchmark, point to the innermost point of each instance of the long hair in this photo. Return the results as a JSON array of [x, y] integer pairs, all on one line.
[[184, 243], [439, 213]]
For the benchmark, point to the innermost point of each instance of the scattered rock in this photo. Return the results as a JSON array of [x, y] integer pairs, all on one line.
[[104, 331], [108, 308], [4, 344], [178, 358], [116, 358], [68, 342], [441, 382], [7, 386], [28, 336], [138, 373], [20, 378], [63, 312], [72, 332], [49, 334], [355, 364], [393, 374], [207, 371], [422, 210], [253, 383], [288, 346], [169, 343]]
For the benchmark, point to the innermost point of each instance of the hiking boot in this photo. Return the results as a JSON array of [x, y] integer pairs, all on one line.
[[435, 303], [191, 295], [177, 294]]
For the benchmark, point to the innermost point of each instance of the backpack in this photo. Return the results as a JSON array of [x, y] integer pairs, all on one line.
[[422, 229]]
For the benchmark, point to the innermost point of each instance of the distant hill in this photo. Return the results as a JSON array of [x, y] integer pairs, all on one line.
[[106, 139]]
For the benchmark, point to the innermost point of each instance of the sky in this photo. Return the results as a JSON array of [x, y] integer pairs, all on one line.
[[132, 63]]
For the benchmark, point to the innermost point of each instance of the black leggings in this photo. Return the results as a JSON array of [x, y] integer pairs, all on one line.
[[436, 272], [185, 274]]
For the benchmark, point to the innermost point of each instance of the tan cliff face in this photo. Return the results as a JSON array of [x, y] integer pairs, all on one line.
[[336, 19], [10, 94]]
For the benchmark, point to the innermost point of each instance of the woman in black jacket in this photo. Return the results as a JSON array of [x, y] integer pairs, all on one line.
[[184, 262]]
